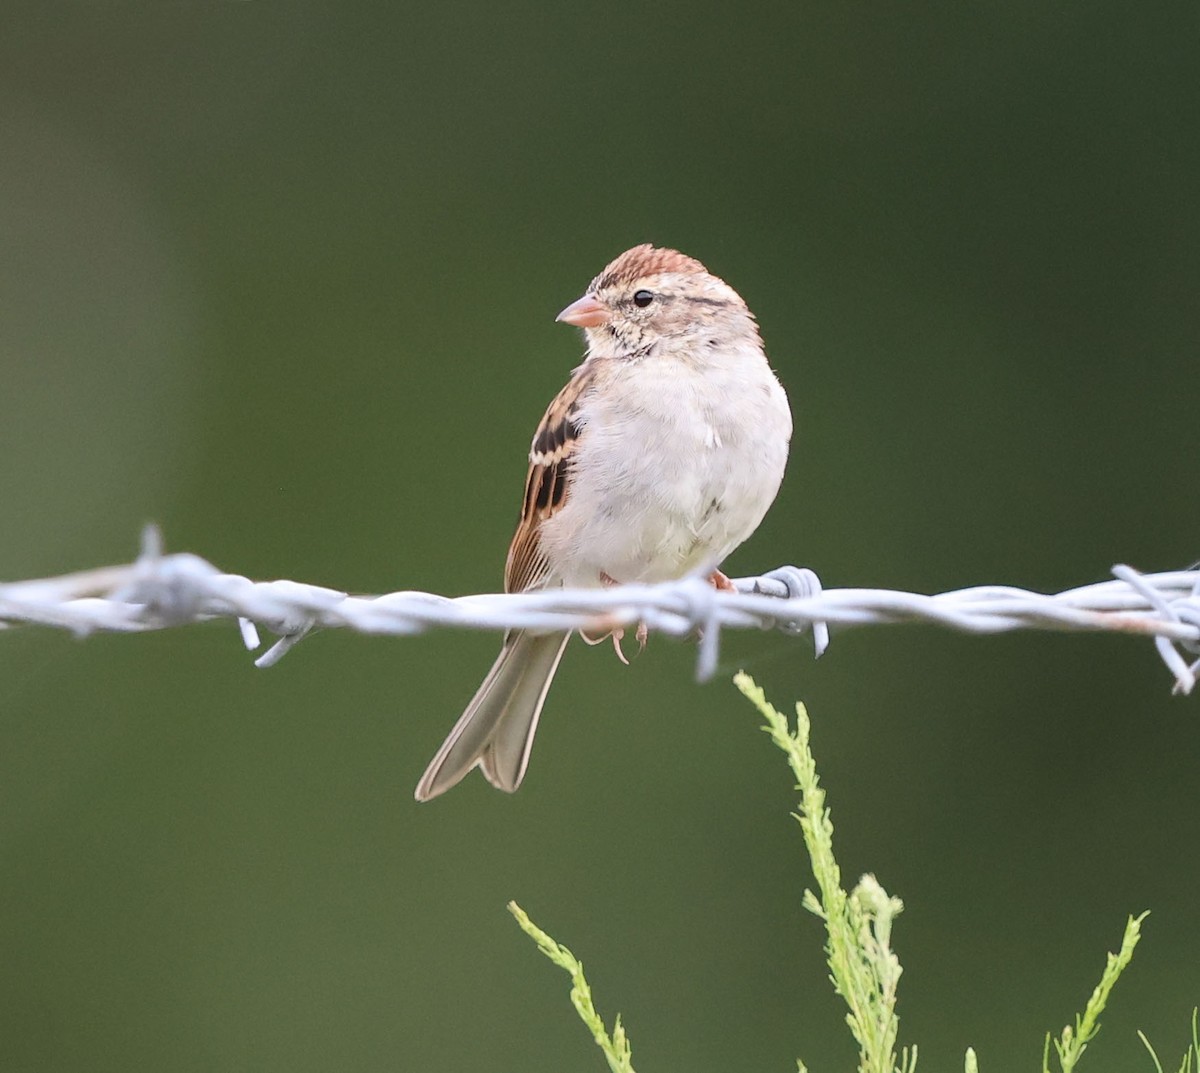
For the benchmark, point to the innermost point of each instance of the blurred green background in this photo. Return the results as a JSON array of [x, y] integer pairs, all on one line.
[[283, 278]]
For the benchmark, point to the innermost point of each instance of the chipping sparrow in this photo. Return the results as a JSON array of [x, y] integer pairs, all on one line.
[[659, 457]]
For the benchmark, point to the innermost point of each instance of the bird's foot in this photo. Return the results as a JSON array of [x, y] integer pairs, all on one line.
[[618, 635], [720, 582]]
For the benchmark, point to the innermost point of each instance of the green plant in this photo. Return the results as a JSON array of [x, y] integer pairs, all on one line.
[[1190, 1063], [863, 968]]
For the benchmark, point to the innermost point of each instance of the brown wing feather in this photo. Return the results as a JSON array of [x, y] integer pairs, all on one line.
[[547, 485]]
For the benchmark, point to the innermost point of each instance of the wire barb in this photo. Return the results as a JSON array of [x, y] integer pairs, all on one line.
[[159, 591]]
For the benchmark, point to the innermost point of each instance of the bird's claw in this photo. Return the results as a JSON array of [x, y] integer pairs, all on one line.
[[640, 635], [618, 635]]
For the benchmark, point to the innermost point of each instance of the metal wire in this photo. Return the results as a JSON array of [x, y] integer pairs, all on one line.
[[158, 591]]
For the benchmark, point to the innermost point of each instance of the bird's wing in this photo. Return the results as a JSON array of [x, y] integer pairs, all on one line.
[[548, 483]]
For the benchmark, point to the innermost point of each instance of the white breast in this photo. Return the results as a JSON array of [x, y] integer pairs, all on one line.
[[676, 467]]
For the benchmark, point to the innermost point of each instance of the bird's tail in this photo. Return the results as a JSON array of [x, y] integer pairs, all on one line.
[[496, 731]]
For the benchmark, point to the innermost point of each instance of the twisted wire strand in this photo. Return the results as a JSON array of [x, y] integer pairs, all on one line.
[[160, 591]]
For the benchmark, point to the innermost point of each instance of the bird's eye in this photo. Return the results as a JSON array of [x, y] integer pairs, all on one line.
[[643, 299]]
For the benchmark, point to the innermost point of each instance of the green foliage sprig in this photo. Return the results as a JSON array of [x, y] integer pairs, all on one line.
[[863, 968], [1074, 1040], [1190, 1063], [615, 1047]]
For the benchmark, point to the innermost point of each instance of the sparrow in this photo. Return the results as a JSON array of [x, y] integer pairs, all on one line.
[[659, 457]]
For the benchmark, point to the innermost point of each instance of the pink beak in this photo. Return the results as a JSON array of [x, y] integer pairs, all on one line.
[[584, 312]]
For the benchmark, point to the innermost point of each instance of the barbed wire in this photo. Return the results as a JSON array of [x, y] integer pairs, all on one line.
[[160, 591]]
